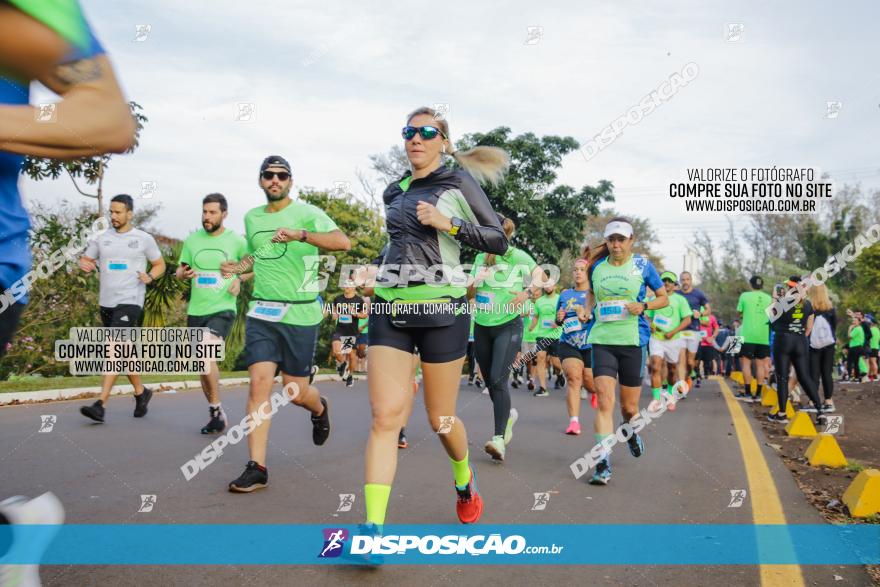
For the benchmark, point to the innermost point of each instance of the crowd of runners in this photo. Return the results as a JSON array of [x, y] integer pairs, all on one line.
[[621, 324]]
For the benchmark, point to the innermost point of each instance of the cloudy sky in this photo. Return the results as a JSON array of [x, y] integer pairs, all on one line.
[[332, 83]]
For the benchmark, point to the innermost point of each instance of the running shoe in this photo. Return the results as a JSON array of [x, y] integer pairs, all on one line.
[[321, 425], [821, 419], [531, 385], [560, 381], [827, 407], [574, 428], [479, 383], [217, 422], [515, 382], [44, 510], [469, 504], [470, 380], [583, 393], [312, 372], [778, 418], [94, 411], [508, 430], [367, 559], [341, 368], [744, 396], [541, 393], [811, 409], [254, 477], [636, 445], [485, 391], [401, 439], [495, 448], [698, 381], [141, 401], [602, 475], [350, 381]]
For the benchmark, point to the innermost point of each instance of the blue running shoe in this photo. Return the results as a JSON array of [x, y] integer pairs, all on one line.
[[636, 446], [602, 475]]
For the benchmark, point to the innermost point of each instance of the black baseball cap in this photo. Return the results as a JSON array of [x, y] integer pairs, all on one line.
[[275, 161], [756, 282]]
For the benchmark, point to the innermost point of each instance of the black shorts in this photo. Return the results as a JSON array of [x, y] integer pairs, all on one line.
[[626, 363], [751, 350], [219, 324], [550, 345], [434, 345], [706, 353], [121, 316], [585, 356], [290, 347]]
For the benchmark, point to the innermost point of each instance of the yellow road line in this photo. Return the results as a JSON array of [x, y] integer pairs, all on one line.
[[766, 505]]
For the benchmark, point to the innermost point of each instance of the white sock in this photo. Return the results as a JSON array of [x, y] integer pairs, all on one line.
[[574, 419]]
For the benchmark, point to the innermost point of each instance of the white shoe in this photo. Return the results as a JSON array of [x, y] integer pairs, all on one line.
[[583, 393], [45, 509]]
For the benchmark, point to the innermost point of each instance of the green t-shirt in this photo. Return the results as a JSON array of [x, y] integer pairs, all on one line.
[[614, 287], [545, 307], [755, 324], [365, 323], [204, 253], [875, 337], [528, 313], [669, 318], [493, 299], [286, 272], [857, 337]]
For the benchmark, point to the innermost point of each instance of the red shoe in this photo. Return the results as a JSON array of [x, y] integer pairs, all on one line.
[[594, 401], [469, 504]]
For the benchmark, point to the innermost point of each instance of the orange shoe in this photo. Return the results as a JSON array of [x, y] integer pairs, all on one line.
[[469, 504]]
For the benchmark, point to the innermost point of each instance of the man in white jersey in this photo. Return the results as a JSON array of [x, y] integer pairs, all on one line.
[[121, 257]]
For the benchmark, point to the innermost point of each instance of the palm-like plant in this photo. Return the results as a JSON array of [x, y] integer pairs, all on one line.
[[163, 293]]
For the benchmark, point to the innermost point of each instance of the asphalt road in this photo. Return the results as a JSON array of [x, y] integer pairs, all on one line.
[[692, 462]]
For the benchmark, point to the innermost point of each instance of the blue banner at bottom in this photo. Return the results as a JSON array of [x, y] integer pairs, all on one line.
[[270, 544]]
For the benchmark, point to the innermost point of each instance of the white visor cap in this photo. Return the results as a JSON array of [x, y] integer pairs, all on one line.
[[624, 229]]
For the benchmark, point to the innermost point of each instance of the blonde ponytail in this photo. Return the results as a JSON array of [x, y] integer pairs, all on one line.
[[508, 226], [485, 164]]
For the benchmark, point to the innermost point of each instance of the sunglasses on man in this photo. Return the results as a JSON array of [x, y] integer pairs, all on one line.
[[282, 175]]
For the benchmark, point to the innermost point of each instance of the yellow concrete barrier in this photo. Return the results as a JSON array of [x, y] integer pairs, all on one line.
[[801, 426], [862, 497], [824, 450], [737, 376]]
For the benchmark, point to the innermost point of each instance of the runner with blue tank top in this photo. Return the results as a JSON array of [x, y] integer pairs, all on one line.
[[574, 323], [618, 283], [53, 44]]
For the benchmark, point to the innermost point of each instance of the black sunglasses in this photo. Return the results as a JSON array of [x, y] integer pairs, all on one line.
[[426, 132], [282, 175]]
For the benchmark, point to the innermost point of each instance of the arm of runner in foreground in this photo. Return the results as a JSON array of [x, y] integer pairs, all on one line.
[[93, 116], [335, 240]]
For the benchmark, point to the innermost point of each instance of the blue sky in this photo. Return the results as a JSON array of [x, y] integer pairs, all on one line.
[[331, 84]]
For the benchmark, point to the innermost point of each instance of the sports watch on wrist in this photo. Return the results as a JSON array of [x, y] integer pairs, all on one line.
[[456, 226], [304, 234]]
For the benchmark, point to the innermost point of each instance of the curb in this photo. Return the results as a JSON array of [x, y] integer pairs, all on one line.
[[48, 395]]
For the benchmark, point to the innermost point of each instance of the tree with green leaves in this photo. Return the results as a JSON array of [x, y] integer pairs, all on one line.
[[90, 169]]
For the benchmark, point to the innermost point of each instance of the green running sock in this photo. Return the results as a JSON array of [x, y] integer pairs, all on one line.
[[376, 497], [656, 393], [461, 471]]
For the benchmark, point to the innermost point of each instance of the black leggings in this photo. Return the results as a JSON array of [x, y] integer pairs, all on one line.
[[793, 349], [472, 363], [821, 363], [853, 354], [496, 348]]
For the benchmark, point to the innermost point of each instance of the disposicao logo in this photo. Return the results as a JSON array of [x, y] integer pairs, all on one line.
[[334, 542]]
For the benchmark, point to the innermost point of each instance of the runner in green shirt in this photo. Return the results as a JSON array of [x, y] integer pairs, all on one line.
[[755, 331], [874, 345], [547, 340], [502, 283], [666, 343], [212, 299], [284, 238], [618, 282]]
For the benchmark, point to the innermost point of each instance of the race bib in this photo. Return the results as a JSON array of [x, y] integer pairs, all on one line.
[[571, 325], [661, 321], [485, 300], [208, 279], [547, 324], [612, 310], [268, 311], [703, 334], [344, 319], [117, 265], [687, 333]]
